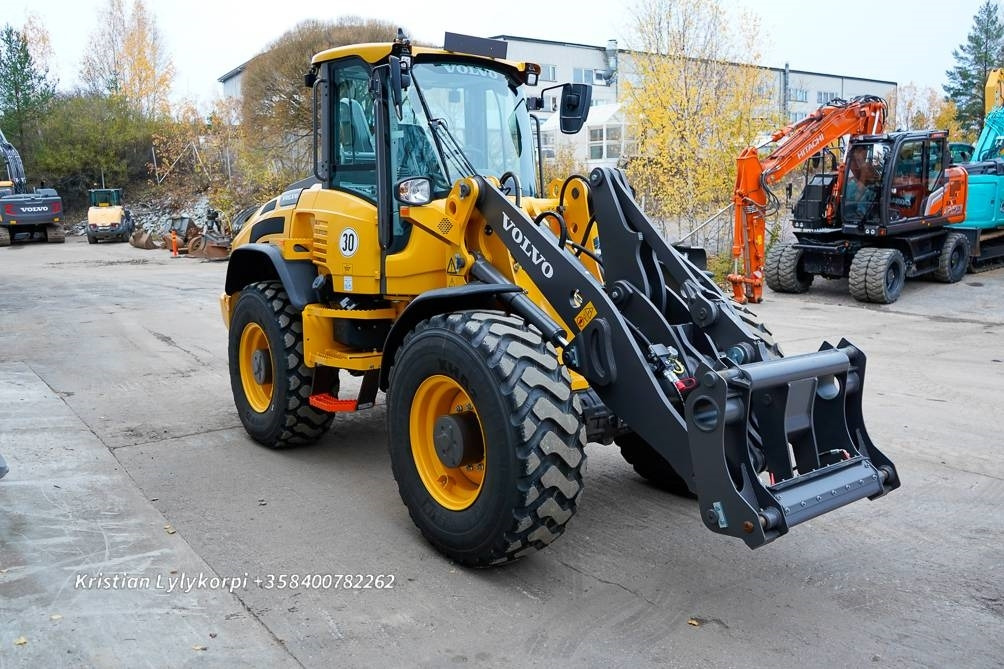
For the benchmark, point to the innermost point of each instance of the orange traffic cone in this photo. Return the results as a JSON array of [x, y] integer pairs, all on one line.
[[174, 243]]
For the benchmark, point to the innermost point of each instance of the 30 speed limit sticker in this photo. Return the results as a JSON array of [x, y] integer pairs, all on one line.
[[348, 243]]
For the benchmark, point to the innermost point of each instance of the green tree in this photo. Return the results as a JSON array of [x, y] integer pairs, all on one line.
[[25, 90], [982, 51], [276, 104], [89, 135], [694, 105]]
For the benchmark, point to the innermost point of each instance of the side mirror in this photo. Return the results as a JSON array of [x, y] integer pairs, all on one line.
[[400, 79], [574, 109], [396, 91]]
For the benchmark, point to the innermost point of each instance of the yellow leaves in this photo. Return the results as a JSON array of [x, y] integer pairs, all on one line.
[[698, 104], [21, 641], [126, 56]]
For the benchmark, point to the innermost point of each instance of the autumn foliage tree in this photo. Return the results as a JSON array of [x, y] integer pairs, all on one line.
[[276, 104], [127, 57], [923, 109], [695, 104]]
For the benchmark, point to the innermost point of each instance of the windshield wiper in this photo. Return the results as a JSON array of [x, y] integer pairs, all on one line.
[[450, 148]]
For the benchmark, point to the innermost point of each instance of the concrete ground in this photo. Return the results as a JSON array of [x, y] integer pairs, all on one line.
[[128, 460]]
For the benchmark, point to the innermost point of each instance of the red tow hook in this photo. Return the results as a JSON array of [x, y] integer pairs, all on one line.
[[686, 384]]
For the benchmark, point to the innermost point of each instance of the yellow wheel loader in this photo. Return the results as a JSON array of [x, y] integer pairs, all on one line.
[[510, 322], [107, 217]]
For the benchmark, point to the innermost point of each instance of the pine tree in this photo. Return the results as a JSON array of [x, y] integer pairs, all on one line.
[[982, 51], [25, 87]]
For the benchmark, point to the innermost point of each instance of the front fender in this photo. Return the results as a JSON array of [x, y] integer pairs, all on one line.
[[439, 301], [252, 263]]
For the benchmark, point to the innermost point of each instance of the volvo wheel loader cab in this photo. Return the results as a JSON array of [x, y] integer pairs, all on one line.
[[427, 262]]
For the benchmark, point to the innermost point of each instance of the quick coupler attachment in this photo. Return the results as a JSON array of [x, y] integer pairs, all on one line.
[[779, 442]]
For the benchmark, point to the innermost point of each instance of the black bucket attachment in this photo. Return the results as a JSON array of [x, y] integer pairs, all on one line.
[[779, 442]]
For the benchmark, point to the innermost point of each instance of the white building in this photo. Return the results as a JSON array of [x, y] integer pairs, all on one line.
[[605, 137]]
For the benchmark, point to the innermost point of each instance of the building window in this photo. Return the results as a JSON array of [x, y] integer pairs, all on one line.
[[548, 72], [795, 117], [822, 97], [582, 76], [798, 95], [605, 142], [547, 144]]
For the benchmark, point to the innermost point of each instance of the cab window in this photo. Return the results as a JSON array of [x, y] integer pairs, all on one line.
[[353, 148]]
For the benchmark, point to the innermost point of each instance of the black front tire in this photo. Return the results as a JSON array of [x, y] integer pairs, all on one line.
[[651, 466], [526, 485], [277, 413], [784, 270]]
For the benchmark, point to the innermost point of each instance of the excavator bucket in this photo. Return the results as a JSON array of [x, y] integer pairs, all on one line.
[[210, 247], [142, 239]]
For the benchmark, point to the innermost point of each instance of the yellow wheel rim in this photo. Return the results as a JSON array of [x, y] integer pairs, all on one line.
[[257, 368], [454, 488]]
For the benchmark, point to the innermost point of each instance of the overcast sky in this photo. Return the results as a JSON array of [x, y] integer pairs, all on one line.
[[905, 41]]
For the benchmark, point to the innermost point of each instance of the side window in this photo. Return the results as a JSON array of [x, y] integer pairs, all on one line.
[[908, 189], [935, 163], [353, 149]]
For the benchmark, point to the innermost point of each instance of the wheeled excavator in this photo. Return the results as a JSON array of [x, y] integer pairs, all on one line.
[[879, 217], [510, 322], [753, 199]]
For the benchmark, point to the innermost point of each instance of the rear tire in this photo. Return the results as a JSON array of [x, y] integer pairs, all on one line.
[[270, 382], [4, 237], [651, 466], [520, 477], [92, 240], [784, 270], [954, 259]]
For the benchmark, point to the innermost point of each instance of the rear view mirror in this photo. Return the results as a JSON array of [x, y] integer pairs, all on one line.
[[395, 84], [575, 101]]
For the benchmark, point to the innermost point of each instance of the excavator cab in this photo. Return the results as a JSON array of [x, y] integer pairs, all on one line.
[[900, 182]]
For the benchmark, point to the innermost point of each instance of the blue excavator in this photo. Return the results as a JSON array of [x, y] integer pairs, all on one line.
[[984, 222]]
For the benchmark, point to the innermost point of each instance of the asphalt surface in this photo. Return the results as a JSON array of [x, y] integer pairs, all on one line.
[[127, 459]]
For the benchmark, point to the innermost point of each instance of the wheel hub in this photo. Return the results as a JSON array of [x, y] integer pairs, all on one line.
[[261, 366], [457, 440]]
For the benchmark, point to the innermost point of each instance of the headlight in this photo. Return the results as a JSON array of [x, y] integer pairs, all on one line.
[[417, 190]]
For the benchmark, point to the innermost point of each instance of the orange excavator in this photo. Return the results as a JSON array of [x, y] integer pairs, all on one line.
[[753, 198]]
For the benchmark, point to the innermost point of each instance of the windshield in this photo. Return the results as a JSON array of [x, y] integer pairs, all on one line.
[[483, 111], [863, 187]]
